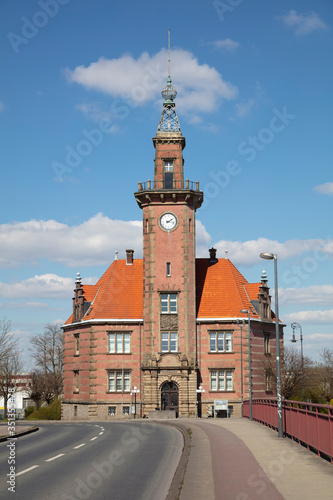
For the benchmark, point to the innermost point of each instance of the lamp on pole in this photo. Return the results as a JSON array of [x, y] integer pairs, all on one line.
[[273, 256], [294, 340], [245, 311], [200, 391], [241, 324], [135, 391]]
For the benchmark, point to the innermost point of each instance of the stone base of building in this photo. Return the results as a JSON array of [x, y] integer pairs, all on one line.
[[102, 411]]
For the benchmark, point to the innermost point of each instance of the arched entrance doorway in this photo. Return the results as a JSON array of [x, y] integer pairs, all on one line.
[[169, 397]]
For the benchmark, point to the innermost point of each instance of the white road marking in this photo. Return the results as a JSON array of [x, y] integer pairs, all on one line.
[[100, 433], [93, 439], [53, 458], [27, 470], [79, 446]]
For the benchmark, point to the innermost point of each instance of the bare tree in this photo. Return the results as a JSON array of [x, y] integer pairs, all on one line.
[[324, 371], [295, 373], [10, 362], [48, 352]]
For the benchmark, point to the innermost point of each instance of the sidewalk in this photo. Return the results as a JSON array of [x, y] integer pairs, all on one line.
[[241, 460]]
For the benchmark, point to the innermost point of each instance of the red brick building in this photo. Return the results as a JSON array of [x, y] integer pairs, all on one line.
[[170, 322]]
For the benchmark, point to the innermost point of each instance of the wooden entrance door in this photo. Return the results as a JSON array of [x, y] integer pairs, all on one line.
[[169, 397]]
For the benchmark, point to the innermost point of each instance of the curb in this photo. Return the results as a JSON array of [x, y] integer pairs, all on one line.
[[19, 434]]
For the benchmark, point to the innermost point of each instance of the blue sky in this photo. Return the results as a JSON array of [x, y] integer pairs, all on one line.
[[80, 101]]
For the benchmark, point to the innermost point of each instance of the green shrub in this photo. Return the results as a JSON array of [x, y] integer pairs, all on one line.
[[51, 412], [28, 411]]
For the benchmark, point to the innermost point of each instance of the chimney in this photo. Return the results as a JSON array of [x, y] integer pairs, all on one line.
[[129, 257], [212, 254]]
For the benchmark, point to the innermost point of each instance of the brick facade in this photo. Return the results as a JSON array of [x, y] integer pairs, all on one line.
[[120, 337]]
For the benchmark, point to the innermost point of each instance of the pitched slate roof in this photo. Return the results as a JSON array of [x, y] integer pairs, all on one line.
[[221, 291]]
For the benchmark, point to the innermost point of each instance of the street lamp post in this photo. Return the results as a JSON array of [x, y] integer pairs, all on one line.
[[241, 324], [293, 326], [135, 391], [245, 311], [273, 256], [200, 391]]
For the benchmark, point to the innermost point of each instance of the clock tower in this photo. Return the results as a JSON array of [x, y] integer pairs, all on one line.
[[169, 203]]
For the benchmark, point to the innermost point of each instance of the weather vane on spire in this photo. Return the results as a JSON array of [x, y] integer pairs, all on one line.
[[169, 93]]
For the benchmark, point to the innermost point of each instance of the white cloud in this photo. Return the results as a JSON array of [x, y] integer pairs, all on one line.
[[247, 252], [93, 242], [20, 305], [90, 243], [326, 188], [315, 294], [199, 86], [45, 286], [243, 108], [304, 24], [311, 317], [226, 44]]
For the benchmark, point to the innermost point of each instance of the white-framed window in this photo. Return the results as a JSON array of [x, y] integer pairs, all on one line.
[[168, 303], [169, 342], [168, 268], [168, 166], [119, 381], [119, 343], [220, 341], [221, 380], [112, 410]]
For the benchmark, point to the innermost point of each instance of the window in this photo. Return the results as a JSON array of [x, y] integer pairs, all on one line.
[[169, 342], [268, 380], [221, 380], [168, 269], [112, 410], [119, 381], [76, 344], [220, 342], [267, 347], [168, 174], [126, 410], [76, 381], [168, 303], [75, 411], [119, 343]]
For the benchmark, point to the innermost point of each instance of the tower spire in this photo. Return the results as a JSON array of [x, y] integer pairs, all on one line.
[[169, 120]]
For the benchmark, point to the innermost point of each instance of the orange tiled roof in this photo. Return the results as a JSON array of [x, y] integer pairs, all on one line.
[[222, 291]]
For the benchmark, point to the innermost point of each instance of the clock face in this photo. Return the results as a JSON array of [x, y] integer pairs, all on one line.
[[168, 221]]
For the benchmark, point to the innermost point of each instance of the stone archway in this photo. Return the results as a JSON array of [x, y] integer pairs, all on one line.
[[169, 397]]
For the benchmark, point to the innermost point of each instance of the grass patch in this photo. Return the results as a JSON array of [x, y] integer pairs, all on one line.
[[51, 412]]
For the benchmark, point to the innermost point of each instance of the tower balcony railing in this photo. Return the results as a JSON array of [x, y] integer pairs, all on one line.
[[168, 185]]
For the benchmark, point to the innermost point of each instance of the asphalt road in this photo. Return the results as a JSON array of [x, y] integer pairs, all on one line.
[[108, 460]]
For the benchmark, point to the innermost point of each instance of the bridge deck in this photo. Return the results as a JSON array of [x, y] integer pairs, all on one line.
[[235, 459]]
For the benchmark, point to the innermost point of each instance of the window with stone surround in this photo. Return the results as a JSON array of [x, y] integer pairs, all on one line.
[[126, 410], [119, 381], [112, 410], [119, 343], [268, 380], [168, 303], [220, 341], [221, 380], [169, 342]]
